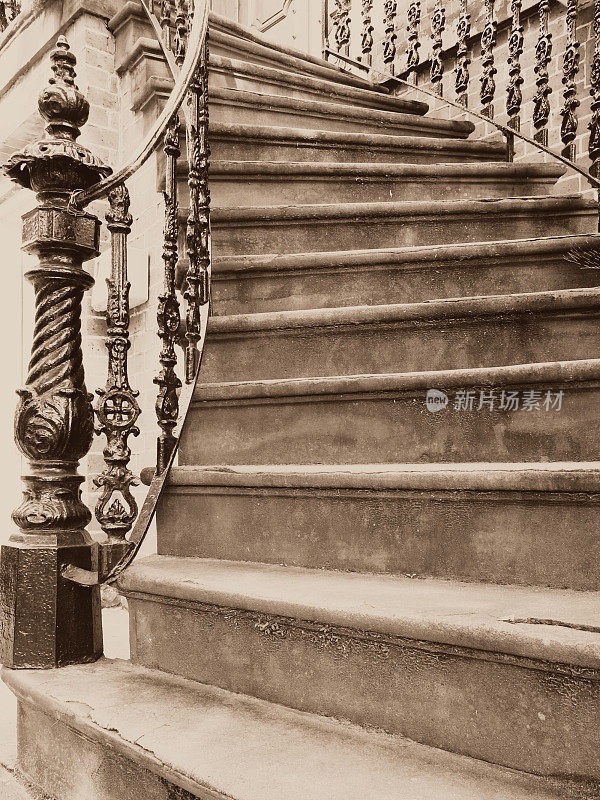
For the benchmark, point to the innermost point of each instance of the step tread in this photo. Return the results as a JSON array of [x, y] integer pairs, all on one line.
[[317, 137], [407, 208], [472, 307], [329, 87], [439, 253], [546, 373], [513, 620], [555, 476], [187, 733], [491, 171]]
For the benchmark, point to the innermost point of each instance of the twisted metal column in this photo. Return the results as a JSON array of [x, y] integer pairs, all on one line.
[[488, 42], [390, 8], [413, 43], [438, 25], [54, 418], [461, 72], [568, 128], [543, 53]]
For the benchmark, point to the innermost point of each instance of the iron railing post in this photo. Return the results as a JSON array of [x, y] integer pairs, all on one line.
[[45, 620]]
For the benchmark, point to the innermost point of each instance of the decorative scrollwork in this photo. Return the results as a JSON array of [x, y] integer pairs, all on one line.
[[488, 42], [514, 97], [438, 25], [594, 125], [461, 72], [117, 409], [543, 53], [390, 7], [168, 316], [198, 221], [568, 128], [341, 25], [413, 43], [366, 37]]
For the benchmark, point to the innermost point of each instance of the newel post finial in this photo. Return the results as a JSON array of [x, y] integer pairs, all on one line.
[[45, 620]]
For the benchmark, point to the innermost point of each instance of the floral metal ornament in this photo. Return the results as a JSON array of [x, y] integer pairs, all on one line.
[[413, 43], [488, 42], [594, 125], [568, 128], [543, 53], [461, 72], [366, 37], [514, 98], [341, 25], [390, 7], [117, 409], [438, 25]]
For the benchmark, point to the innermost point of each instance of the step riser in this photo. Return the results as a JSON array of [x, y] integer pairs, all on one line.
[[61, 763], [405, 347], [388, 428], [500, 710], [238, 237], [239, 190], [253, 291], [540, 539]]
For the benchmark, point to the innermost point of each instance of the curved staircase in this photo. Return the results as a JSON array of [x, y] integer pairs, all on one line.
[[355, 596]]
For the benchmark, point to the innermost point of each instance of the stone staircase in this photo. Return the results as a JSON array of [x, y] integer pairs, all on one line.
[[354, 596]]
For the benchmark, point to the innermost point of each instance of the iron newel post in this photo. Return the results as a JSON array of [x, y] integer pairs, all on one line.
[[45, 620]]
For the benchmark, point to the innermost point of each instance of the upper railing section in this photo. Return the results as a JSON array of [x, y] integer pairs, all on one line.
[[496, 60]]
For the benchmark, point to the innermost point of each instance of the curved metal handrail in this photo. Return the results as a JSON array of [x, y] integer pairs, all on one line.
[[194, 52]]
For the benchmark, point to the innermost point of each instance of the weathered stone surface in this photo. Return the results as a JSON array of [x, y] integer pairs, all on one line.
[[470, 668], [507, 523], [117, 732]]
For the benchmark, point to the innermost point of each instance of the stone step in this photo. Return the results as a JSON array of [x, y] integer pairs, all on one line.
[[355, 226], [255, 108], [531, 524], [436, 335], [116, 731], [259, 284], [263, 183], [231, 38], [245, 142], [384, 418], [509, 675], [275, 82]]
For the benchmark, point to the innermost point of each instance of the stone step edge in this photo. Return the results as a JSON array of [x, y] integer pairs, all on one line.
[[561, 302], [553, 374], [492, 172], [557, 476], [490, 621], [414, 209], [243, 98], [285, 133], [231, 67], [442, 255], [307, 754]]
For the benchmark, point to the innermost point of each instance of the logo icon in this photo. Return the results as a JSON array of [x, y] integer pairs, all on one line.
[[436, 400]]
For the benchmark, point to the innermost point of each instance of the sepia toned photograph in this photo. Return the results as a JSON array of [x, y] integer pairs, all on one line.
[[300, 400]]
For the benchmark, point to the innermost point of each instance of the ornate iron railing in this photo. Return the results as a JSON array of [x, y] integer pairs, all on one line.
[[54, 427], [389, 21]]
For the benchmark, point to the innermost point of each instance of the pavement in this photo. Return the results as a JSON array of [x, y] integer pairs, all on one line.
[[115, 622]]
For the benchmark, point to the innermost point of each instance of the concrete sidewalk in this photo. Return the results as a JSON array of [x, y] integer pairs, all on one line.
[[115, 622]]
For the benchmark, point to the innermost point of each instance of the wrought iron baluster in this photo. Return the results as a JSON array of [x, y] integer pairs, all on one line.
[[390, 7], [165, 21], [341, 25], [117, 408], [594, 125], [541, 103], [168, 316], [438, 24], [514, 97], [488, 42], [196, 291], [413, 44], [367, 31], [568, 128], [181, 31], [463, 29]]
